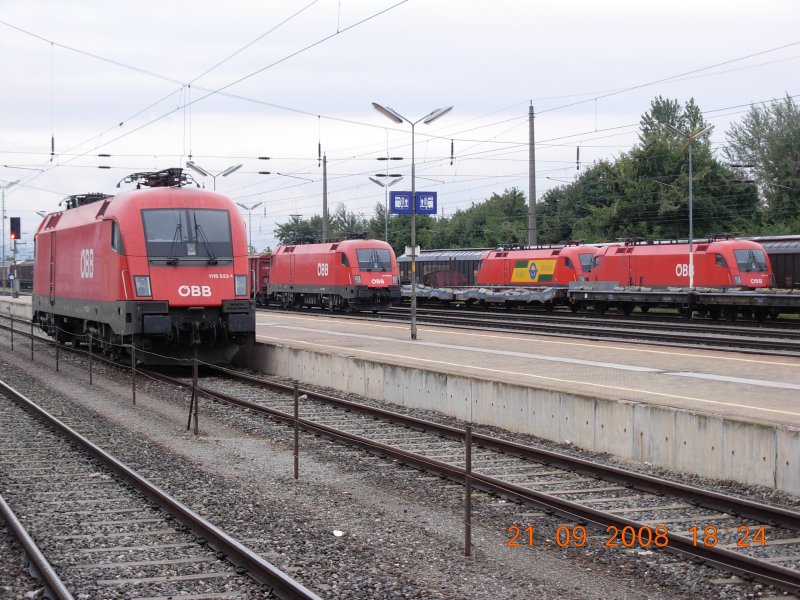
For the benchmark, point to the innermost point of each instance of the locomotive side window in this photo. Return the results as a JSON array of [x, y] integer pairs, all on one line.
[[720, 261], [586, 261], [345, 260], [374, 259], [568, 263], [191, 234], [116, 239], [750, 260]]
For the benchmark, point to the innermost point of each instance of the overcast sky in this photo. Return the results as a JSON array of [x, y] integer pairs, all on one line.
[[152, 83]]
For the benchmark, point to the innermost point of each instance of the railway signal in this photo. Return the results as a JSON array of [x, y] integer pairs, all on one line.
[[16, 228]]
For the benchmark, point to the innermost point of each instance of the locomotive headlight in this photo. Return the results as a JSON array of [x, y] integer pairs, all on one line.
[[240, 285], [394, 280], [142, 284], [357, 279], [737, 279]]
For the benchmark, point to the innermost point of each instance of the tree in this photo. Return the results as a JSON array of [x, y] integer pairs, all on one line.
[[768, 142], [644, 193], [501, 219], [297, 229], [344, 224], [664, 111]]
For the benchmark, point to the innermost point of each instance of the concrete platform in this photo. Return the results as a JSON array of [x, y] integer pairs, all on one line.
[[716, 414]]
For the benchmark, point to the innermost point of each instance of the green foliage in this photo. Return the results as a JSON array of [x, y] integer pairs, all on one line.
[[768, 139], [342, 225], [298, 228], [644, 193]]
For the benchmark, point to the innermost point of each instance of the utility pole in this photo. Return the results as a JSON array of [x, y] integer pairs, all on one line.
[[531, 180], [324, 198]]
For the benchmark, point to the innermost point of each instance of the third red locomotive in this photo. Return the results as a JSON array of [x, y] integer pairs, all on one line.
[[540, 266]]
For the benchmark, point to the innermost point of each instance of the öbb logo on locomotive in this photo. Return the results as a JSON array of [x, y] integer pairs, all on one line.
[[322, 269], [682, 270], [195, 291], [87, 263]]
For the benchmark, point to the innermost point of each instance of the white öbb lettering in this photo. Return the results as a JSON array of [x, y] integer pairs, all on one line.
[[195, 291], [378, 282], [682, 270], [87, 263], [322, 269]]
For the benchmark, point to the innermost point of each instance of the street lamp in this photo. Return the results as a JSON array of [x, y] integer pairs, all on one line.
[[427, 119], [387, 158], [386, 186], [3, 219], [250, 210], [689, 137], [198, 169]]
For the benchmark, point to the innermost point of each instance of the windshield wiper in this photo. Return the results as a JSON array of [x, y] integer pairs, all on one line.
[[200, 235], [172, 259]]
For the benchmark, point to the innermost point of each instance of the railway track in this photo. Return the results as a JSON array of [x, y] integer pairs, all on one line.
[[107, 532], [784, 341], [599, 505], [603, 505]]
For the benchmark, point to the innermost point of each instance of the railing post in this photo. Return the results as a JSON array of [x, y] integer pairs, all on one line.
[[296, 432], [89, 339], [31, 340], [133, 371], [468, 491], [194, 392]]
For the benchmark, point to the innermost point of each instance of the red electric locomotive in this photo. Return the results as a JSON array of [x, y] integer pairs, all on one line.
[[162, 269], [346, 275], [555, 266], [717, 263]]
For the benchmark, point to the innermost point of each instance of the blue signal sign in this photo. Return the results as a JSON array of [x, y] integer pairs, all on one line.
[[400, 203]]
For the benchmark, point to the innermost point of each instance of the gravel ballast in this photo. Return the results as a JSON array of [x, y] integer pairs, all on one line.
[[353, 526]]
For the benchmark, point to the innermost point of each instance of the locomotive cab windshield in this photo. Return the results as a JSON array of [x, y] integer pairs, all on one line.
[[374, 259], [749, 260], [187, 235]]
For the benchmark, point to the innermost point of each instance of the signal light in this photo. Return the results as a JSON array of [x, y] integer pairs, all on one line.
[[16, 228]]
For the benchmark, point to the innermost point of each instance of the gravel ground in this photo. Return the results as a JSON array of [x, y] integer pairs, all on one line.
[[15, 582], [401, 531]]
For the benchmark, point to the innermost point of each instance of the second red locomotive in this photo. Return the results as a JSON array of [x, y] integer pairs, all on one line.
[[346, 275]]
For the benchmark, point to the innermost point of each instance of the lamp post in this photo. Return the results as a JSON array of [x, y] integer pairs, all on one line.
[[427, 119], [690, 138], [397, 177], [198, 169], [250, 210], [3, 219]]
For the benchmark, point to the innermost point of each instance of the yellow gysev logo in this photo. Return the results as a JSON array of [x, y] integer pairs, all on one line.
[[534, 271]]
